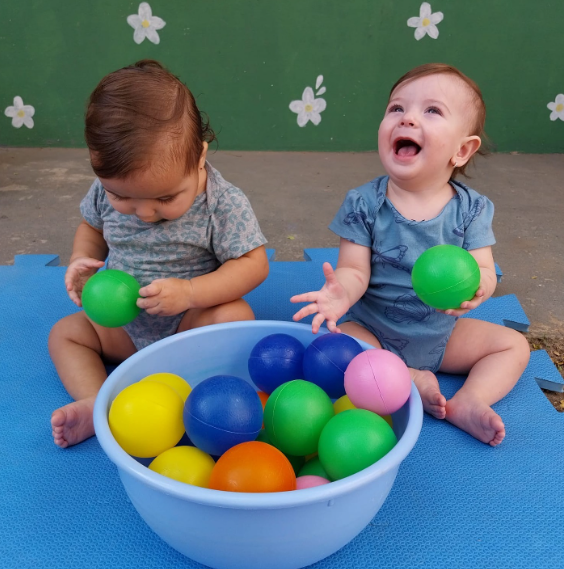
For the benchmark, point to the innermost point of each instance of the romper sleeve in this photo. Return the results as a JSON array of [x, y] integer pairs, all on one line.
[[235, 228], [354, 220], [91, 205], [478, 231]]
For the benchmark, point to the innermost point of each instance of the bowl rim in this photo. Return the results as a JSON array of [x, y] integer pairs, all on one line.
[[241, 500]]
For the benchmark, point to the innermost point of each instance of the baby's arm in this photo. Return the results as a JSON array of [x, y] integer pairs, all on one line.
[[88, 254], [341, 290], [229, 282], [488, 281]]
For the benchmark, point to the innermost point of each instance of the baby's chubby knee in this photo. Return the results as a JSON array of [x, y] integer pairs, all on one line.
[[236, 311], [75, 328]]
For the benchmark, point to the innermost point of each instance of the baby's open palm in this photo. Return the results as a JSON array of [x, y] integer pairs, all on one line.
[[78, 272], [329, 303]]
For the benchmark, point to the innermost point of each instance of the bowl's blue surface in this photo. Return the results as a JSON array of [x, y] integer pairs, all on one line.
[[235, 530]]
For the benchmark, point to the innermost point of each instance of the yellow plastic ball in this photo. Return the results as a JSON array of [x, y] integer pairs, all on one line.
[[185, 464], [177, 383], [344, 404], [146, 418]]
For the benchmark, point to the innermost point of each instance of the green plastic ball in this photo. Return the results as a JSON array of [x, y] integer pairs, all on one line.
[[109, 298], [353, 440], [314, 467], [296, 461], [295, 415], [445, 276]]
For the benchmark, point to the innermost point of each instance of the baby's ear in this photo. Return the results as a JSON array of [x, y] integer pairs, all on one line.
[[469, 147], [203, 155]]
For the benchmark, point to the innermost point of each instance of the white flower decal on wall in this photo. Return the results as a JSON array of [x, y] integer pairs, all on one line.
[[20, 113], [309, 108], [557, 108], [426, 23], [145, 24]]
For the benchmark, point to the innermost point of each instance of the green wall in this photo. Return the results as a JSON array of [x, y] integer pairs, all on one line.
[[246, 60]]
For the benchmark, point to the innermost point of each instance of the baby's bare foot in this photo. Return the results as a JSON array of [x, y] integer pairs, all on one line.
[[73, 423], [434, 401], [477, 419]]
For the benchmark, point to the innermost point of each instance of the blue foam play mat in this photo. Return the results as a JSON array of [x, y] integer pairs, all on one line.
[[456, 503]]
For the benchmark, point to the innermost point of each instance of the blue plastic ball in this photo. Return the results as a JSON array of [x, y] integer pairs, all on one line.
[[275, 360], [221, 412], [327, 358]]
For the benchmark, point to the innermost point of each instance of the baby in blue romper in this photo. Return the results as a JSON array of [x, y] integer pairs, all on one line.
[[432, 127], [159, 211]]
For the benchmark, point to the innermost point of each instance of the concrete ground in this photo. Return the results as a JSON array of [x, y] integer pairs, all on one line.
[[295, 196]]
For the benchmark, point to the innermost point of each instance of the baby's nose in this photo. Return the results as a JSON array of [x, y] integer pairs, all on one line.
[[144, 210]]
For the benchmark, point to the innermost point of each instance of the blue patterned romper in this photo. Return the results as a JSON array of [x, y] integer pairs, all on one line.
[[220, 225], [389, 308]]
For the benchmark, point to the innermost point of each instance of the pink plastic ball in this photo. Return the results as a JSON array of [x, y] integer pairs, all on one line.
[[310, 481], [378, 380]]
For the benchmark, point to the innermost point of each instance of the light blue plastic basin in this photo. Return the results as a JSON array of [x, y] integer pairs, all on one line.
[[229, 530]]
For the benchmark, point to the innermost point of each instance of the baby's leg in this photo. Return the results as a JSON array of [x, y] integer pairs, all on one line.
[[426, 382], [76, 346], [235, 311], [494, 358]]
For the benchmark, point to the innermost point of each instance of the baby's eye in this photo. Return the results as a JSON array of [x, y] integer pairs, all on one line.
[[115, 196], [166, 200], [434, 110], [395, 109]]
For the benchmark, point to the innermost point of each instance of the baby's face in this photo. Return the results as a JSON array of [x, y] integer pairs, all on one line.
[[155, 195], [426, 122]]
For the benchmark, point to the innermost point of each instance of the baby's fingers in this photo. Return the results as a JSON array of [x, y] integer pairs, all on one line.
[[316, 323], [306, 311], [305, 297], [152, 289]]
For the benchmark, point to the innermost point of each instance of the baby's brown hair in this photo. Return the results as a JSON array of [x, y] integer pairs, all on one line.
[[477, 126], [140, 117]]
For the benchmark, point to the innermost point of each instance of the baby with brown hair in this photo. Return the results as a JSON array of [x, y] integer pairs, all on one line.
[[160, 212], [432, 127]]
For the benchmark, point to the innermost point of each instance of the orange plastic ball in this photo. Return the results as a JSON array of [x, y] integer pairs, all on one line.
[[253, 467]]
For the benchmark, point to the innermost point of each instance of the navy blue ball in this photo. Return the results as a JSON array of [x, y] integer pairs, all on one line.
[[221, 412], [275, 360], [327, 358]]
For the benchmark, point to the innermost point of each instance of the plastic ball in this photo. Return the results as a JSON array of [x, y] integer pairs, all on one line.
[[296, 461], [313, 467], [445, 276], [294, 416], [146, 418], [253, 467], [186, 464], [274, 360], [177, 383], [353, 440], [263, 399], [310, 481], [344, 404], [379, 381], [109, 298], [221, 412], [327, 358]]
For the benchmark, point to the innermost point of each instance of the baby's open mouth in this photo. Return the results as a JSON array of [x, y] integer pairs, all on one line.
[[406, 147]]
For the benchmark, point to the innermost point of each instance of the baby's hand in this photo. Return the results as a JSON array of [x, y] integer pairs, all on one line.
[[165, 297], [78, 272], [466, 306], [329, 303]]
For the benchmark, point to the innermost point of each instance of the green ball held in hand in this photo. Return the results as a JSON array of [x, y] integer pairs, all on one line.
[[445, 276], [295, 415], [352, 441], [109, 298]]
